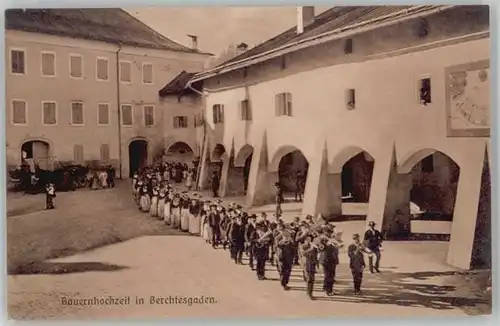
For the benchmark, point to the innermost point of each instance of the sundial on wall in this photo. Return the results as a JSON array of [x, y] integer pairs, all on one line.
[[468, 100]]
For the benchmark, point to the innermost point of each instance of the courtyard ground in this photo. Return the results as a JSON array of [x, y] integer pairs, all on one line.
[[414, 281]]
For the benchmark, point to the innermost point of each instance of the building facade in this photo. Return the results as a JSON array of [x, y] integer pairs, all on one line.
[[92, 93], [383, 105]]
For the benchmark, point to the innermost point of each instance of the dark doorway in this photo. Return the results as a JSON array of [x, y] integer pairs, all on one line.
[[292, 172], [357, 178], [138, 155], [38, 151], [246, 171]]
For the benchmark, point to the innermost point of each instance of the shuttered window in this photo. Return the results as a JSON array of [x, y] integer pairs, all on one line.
[[149, 115], [104, 152], [180, 122], [283, 104], [245, 110], [103, 113], [49, 112], [76, 66], [77, 113], [17, 60], [48, 64], [78, 153], [147, 73], [218, 112], [19, 112], [102, 69], [125, 71], [127, 119]]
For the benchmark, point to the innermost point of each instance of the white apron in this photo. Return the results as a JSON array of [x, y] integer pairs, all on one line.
[[161, 208], [153, 209], [144, 203], [167, 215], [176, 218], [185, 219], [194, 224]]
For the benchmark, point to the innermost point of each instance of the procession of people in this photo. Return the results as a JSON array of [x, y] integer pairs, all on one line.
[[311, 243]]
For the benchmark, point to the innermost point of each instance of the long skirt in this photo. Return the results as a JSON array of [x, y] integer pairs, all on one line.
[[134, 182], [194, 224], [185, 219], [176, 217], [161, 208], [189, 183], [145, 203], [153, 209], [167, 215], [206, 232]]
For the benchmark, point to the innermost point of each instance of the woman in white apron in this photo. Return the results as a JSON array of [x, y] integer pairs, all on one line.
[[137, 194], [153, 209], [103, 178], [185, 213], [205, 227], [175, 210], [144, 201], [161, 203], [189, 180], [167, 213], [134, 182]]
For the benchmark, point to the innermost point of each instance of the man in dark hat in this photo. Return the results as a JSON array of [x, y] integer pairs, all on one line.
[[310, 254], [215, 184], [249, 231], [237, 240], [356, 252], [373, 240], [285, 251], [329, 259], [214, 223], [261, 239]]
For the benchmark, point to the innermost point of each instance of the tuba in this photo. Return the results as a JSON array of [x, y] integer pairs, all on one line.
[[263, 240]]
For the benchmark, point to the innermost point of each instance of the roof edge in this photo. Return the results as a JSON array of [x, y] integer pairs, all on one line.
[[321, 38]]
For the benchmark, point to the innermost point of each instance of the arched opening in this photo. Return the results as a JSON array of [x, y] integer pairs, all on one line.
[[356, 178], [434, 182], [243, 161], [138, 155], [36, 153], [292, 174], [180, 152], [218, 154]]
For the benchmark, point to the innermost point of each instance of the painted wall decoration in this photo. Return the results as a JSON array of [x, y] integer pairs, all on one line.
[[468, 99]]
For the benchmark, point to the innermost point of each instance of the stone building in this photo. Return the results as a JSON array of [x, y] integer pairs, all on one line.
[[83, 85], [382, 105]]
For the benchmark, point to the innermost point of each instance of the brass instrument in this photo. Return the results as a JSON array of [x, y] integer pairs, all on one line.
[[263, 240]]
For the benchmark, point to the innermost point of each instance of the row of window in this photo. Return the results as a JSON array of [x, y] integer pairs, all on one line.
[[283, 103], [78, 153], [49, 114], [48, 67]]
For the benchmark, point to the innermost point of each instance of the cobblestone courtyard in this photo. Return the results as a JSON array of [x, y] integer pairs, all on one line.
[[414, 278]]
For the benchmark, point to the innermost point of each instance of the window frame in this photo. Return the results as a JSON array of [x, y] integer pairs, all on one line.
[[179, 125], [347, 96], [101, 152], [248, 115], [25, 61], [419, 85], [41, 64], [221, 117], [152, 73], [144, 115], [71, 113], [55, 114], [83, 153], [76, 55], [97, 69], [109, 114], [288, 109], [12, 111], [120, 72], [131, 115]]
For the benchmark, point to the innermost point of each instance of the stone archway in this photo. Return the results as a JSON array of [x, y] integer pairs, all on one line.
[[292, 168], [36, 152], [180, 152]]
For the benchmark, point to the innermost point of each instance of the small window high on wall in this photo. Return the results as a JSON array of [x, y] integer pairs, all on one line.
[[245, 110], [218, 113], [425, 91], [350, 99], [283, 104]]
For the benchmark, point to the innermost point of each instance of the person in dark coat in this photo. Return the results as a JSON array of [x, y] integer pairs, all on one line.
[[356, 252], [261, 238], [214, 223], [215, 184], [329, 259], [111, 176], [285, 251], [310, 253], [50, 194], [299, 186], [237, 239], [250, 228], [279, 199], [373, 241]]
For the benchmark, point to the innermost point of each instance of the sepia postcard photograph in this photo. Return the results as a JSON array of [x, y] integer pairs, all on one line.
[[248, 162]]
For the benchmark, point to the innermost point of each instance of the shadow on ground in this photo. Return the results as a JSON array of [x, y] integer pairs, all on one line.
[[67, 268]]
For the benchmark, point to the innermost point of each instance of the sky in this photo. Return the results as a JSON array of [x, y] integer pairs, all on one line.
[[218, 27]]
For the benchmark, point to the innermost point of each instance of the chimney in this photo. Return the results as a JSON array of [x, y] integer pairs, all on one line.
[[305, 16], [194, 42]]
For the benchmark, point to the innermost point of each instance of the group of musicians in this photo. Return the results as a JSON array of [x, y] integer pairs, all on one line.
[[311, 243]]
